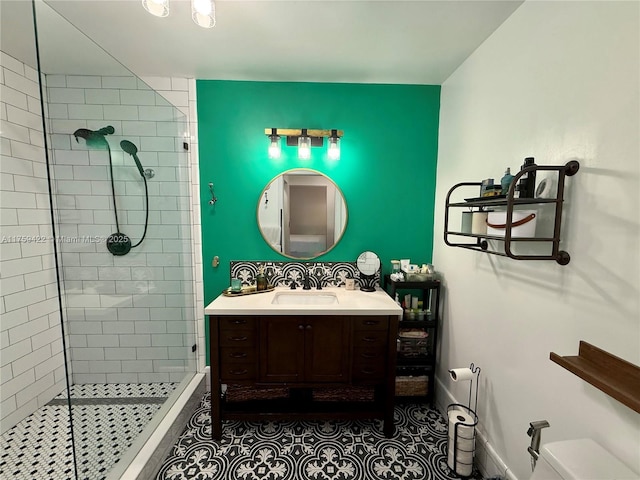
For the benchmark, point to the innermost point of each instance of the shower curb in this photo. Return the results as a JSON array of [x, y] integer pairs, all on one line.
[[148, 461]]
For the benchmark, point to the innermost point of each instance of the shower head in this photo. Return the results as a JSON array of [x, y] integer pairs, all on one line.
[[131, 149], [94, 138]]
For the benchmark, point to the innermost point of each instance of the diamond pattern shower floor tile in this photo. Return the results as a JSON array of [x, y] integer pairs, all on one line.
[[39, 447]]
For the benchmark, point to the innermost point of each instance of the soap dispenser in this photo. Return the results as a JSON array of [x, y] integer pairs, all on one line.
[[505, 182]]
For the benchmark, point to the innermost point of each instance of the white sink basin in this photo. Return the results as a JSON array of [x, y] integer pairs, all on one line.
[[305, 298]]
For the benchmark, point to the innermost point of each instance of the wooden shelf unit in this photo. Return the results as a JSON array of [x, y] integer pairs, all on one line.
[[613, 375]]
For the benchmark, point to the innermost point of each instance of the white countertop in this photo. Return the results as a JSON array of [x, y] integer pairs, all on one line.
[[350, 302]]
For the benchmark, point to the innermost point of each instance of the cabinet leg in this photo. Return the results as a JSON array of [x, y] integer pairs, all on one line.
[[389, 429], [216, 420]]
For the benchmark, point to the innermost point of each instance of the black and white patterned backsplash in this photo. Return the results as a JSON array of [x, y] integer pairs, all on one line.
[[281, 274]]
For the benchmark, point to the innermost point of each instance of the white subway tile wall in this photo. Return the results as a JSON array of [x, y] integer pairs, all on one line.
[[128, 319], [32, 371], [123, 311]]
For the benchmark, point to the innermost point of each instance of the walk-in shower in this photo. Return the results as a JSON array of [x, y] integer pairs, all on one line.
[[97, 302]]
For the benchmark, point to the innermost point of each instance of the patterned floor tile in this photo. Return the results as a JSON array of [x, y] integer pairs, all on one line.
[[333, 450]]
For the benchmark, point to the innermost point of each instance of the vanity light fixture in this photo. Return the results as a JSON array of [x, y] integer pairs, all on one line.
[[304, 145], [334, 146], [274, 146], [159, 8], [304, 139]]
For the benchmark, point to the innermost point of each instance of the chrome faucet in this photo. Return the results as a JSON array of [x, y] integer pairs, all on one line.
[[534, 432]]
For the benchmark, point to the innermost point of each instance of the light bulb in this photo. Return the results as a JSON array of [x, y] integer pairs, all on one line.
[[334, 146], [203, 13], [304, 146], [159, 8], [274, 145], [274, 149]]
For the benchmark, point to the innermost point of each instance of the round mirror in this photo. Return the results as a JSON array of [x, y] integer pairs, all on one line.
[[368, 264], [302, 213]]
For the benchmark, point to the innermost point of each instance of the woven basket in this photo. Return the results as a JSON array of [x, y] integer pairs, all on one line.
[[352, 394], [243, 393], [412, 386]]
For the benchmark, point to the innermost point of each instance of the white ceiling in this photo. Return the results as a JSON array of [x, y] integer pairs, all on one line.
[[410, 42]]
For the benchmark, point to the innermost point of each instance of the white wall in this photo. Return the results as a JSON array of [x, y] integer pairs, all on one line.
[[31, 341], [557, 81]]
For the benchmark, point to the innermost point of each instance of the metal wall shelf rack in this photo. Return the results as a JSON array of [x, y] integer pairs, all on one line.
[[510, 203]]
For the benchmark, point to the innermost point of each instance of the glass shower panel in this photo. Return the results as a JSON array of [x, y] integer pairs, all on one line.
[[32, 353], [122, 215]]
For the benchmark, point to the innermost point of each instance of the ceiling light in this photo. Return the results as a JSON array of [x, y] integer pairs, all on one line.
[[203, 13], [274, 145], [159, 8]]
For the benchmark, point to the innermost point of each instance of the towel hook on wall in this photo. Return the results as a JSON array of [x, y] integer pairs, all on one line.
[[214, 199]]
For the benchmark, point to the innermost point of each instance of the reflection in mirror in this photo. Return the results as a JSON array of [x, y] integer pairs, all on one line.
[[368, 264], [302, 213]]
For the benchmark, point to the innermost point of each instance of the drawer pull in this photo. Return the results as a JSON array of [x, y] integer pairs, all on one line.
[[238, 372], [238, 322], [367, 371], [237, 354], [238, 339], [369, 355], [371, 322], [369, 339]]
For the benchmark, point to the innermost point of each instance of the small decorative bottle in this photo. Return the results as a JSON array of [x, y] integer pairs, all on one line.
[[505, 182], [261, 280]]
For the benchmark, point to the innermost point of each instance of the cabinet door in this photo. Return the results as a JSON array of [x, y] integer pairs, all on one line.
[[327, 349], [282, 349]]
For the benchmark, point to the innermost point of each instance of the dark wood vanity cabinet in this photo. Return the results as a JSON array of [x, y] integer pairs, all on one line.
[[304, 349], [303, 354]]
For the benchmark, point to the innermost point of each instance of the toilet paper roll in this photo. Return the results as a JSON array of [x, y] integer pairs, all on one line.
[[463, 444], [460, 416], [546, 188], [463, 458], [461, 468], [460, 374]]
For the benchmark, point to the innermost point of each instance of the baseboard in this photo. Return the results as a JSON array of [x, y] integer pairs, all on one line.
[[486, 459]]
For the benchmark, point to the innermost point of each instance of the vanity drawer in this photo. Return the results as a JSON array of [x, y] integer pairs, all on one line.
[[231, 372], [370, 338], [368, 371], [237, 338], [370, 323], [237, 323], [369, 354], [237, 355]]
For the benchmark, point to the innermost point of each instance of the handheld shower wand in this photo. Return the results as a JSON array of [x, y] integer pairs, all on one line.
[[132, 150]]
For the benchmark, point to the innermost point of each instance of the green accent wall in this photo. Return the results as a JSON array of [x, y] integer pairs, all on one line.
[[386, 172]]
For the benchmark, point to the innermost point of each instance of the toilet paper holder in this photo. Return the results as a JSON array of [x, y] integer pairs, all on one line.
[[462, 422], [464, 374]]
